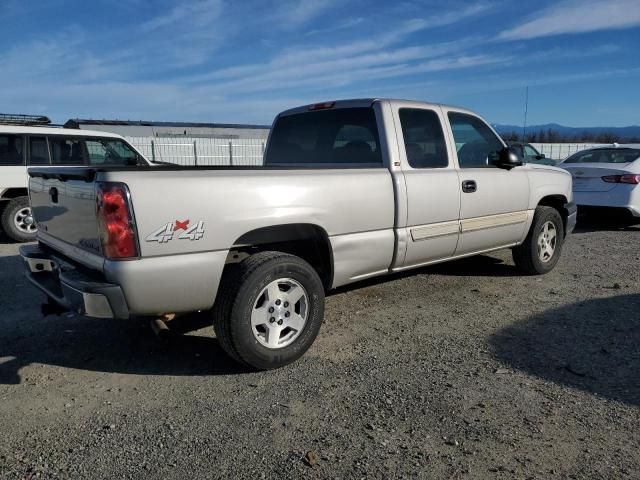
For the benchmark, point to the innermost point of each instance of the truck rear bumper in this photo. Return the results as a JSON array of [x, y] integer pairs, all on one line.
[[71, 288]]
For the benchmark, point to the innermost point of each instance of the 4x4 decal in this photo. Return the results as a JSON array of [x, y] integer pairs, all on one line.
[[168, 231]]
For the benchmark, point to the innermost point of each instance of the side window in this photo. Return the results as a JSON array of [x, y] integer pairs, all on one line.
[[104, 151], [423, 138], [475, 141], [11, 150], [38, 151], [67, 151], [529, 151]]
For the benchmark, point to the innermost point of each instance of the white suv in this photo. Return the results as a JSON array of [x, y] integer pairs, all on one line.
[[22, 146]]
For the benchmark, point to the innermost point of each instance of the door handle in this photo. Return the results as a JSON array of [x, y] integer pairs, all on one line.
[[469, 186]]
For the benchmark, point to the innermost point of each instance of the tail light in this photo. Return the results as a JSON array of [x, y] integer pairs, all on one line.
[[631, 178], [115, 221]]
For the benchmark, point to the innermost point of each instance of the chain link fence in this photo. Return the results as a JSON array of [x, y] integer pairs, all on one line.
[[249, 151], [560, 151], [201, 151]]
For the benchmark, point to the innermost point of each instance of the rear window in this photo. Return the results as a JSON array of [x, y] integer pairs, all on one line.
[[604, 156], [11, 150], [347, 137]]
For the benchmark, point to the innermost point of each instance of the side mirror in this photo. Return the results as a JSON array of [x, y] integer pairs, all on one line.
[[506, 158], [540, 156]]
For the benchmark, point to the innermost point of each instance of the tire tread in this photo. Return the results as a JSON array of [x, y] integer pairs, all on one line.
[[7, 220], [227, 297], [523, 255]]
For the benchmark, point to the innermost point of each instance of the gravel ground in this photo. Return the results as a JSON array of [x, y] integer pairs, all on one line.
[[464, 370]]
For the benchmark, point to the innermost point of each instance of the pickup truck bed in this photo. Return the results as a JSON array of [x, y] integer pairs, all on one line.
[[350, 190]]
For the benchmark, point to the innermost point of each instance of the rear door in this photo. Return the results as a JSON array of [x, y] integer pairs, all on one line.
[[493, 201], [432, 186]]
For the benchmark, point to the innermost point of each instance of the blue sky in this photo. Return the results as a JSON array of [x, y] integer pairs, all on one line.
[[243, 61]]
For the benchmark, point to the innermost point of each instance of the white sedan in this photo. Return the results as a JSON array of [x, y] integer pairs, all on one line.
[[607, 179]]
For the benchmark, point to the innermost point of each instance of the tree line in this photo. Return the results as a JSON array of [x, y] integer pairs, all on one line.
[[553, 136]]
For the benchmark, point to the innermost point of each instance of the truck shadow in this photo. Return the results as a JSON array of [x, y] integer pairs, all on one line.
[[592, 345], [110, 346], [4, 240], [71, 341], [603, 223]]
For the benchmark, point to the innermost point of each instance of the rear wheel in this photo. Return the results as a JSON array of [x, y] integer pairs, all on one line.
[[541, 250], [269, 310], [17, 220]]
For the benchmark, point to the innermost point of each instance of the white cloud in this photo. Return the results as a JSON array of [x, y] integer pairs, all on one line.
[[578, 16], [307, 60], [185, 35], [453, 16], [298, 12], [350, 70], [343, 25], [199, 13]]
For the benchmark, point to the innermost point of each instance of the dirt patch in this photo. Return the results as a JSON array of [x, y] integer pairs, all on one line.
[[463, 370]]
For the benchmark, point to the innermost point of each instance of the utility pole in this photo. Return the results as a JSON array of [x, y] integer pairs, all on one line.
[[526, 107]]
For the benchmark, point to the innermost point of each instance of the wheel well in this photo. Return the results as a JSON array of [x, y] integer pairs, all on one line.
[[11, 193], [307, 241], [558, 202]]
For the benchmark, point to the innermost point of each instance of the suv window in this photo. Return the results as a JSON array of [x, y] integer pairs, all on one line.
[[423, 138], [67, 151], [474, 140], [11, 150], [103, 151], [38, 151], [328, 137]]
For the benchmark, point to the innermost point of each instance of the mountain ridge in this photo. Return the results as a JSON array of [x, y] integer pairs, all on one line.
[[631, 131]]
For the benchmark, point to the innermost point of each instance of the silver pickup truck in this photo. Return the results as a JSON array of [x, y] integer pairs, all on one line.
[[349, 190]]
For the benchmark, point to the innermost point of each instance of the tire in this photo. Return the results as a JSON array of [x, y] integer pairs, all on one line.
[[246, 328], [540, 251], [15, 220]]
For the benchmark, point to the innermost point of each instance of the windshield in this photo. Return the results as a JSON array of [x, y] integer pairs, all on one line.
[[613, 155]]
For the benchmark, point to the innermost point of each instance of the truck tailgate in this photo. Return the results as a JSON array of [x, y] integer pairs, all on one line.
[[64, 205]]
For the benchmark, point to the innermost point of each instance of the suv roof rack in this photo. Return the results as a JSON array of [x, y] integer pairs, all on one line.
[[24, 120]]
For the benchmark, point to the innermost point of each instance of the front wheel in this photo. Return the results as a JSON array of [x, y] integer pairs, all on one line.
[[17, 220], [541, 250], [269, 310]]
